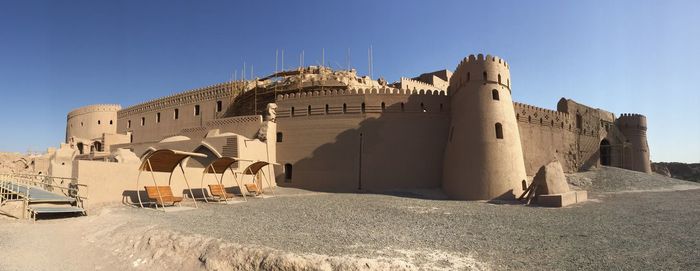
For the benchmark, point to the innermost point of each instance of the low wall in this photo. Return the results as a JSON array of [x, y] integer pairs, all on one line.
[[116, 182]]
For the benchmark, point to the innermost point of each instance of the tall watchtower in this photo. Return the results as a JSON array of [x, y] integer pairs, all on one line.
[[634, 128], [483, 155]]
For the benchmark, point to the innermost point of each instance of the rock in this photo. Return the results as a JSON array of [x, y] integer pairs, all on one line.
[[660, 169], [551, 179]]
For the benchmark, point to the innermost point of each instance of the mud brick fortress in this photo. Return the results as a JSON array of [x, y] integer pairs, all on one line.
[[333, 130]]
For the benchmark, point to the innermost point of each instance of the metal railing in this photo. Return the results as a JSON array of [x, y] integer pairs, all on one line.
[[69, 187]]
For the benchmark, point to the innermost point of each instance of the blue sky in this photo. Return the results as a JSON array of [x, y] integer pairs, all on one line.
[[623, 56]]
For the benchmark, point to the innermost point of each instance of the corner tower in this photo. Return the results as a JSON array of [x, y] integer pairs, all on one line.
[[636, 151], [483, 155], [90, 122]]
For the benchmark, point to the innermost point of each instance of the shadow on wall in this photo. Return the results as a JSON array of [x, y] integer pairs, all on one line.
[[400, 152]]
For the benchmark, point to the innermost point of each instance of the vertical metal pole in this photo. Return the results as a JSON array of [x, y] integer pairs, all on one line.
[[188, 184], [153, 176], [201, 184], [359, 173], [235, 178]]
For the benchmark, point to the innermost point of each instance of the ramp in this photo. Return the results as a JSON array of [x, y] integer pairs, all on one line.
[[35, 194], [37, 199]]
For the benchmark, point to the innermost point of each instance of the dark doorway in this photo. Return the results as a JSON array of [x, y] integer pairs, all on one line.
[[80, 147], [605, 152], [287, 173]]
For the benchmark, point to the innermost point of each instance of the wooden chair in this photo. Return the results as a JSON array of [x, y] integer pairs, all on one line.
[[162, 195], [253, 189], [218, 191]]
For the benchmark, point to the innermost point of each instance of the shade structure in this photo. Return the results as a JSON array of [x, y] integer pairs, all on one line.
[[219, 166], [254, 169], [164, 160]]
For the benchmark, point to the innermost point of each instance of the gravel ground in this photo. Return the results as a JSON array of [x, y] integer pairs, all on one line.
[[643, 230], [621, 231]]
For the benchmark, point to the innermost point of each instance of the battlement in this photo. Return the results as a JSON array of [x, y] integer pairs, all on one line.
[[360, 91], [542, 116], [423, 85], [532, 108], [631, 120], [489, 69], [480, 59], [190, 96], [94, 108], [632, 115]]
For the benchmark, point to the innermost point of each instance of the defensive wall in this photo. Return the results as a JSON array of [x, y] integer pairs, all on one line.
[[159, 118], [362, 139]]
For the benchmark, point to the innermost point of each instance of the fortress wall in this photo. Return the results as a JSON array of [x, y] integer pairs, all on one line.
[[398, 149], [546, 135], [247, 126], [130, 119], [572, 135], [90, 122]]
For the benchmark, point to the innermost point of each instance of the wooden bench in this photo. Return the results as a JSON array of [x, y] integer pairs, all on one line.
[[219, 191], [253, 188], [162, 195]]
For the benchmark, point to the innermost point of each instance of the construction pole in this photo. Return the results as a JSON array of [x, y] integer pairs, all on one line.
[[369, 62], [282, 59], [323, 57]]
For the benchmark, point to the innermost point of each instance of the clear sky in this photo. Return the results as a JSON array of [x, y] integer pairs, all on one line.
[[622, 56]]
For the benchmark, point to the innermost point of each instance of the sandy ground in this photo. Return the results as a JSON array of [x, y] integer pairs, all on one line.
[[633, 221]]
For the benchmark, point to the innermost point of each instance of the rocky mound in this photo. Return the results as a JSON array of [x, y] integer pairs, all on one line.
[[683, 171], [16, 163], [611, 179]]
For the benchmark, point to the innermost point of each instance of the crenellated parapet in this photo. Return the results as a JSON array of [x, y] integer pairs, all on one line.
[[94, 108], [408, 83], [542, 116], [488, 69], [359, 91], [216, 91], [632, 121]]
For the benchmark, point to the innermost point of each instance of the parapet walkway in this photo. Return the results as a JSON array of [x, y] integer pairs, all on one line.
[[36, 200]]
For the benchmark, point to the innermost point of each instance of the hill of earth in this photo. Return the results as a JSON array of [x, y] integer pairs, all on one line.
[[683, 171], [14, 162]]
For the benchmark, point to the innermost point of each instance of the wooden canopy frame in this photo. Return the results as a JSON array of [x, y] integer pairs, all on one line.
[[219, 166], [164, 160], [256, 168]]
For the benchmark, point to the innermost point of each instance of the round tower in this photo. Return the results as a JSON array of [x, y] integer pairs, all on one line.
[[636, 151], [483, 155], [90, 122]]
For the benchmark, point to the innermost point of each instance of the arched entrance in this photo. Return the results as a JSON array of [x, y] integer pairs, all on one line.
[[605, 152]]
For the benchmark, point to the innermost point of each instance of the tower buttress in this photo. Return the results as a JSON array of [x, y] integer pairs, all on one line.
[[483, 155], [636, 154]]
